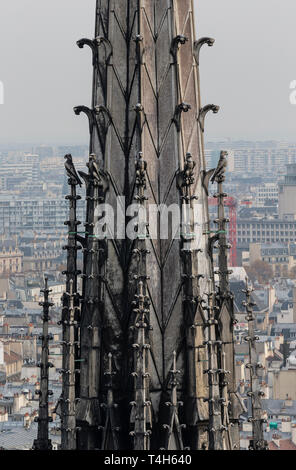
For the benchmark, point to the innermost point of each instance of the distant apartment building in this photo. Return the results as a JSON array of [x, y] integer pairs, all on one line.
[[266, 192], [56, 292], [287, 313], [265, 230], [16, 171], [11, 257], [275, 228], [13, 361], [260, 161], [38, 215], [284, 384], [41, 256]]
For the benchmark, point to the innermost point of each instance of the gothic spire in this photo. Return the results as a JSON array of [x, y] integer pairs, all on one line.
[[145, 102]]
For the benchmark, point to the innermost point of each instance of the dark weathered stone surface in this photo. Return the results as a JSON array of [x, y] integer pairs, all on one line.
[[145, 99]]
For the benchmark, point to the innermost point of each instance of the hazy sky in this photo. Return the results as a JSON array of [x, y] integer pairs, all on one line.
[[248, 72]]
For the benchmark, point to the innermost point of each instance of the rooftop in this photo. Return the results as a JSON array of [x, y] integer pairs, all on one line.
[[14, 436], [284, 444]]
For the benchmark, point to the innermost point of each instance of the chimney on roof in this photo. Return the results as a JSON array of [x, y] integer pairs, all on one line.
[[285, 349]]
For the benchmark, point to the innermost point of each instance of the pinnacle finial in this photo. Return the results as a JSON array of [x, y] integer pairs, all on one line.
[[174, 360]]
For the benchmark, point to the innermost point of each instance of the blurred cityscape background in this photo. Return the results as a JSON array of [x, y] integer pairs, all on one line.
[[261, 184]]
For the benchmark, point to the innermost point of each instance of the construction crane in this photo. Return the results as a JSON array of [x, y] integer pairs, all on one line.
[[231, 203]]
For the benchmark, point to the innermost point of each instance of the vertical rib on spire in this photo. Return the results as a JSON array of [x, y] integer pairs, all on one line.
[[225, 316], [68, 420], [196, 412], [226, 424], [221, 222], [70, 316], [255, 393], [214, 348], [42, 442], [174, 438], [88, 413], [141, 406], [111, 427]]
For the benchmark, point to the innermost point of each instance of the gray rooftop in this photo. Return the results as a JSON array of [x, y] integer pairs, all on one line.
[[13, 436], [278, 407]]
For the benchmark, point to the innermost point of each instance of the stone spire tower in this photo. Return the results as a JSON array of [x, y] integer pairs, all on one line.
[[145, 299]]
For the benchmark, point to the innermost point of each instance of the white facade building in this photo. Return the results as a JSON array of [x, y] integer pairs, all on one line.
[[268, 191]]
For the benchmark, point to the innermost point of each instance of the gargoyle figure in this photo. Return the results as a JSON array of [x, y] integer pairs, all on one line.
[[181, 108], [204, 111], [94, 171], [221, 167], [198, 45], [90, 113], [189, 170], [185, 178], [178, 40], [100, 177], [93, 44], [141, 168], [71, 171]]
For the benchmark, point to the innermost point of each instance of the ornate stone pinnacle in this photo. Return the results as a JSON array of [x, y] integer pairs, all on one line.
[[42, 442], [257, 442]]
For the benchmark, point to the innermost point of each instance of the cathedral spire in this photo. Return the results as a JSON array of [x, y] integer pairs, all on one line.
[[145, 105]]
